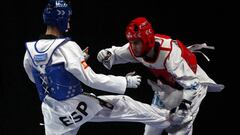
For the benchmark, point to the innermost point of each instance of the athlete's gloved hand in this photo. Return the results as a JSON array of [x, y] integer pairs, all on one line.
[[133, 81], [86, 54], [104, 55]]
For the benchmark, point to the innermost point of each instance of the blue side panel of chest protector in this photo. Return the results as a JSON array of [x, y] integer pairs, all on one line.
[[60, 84], [38, 82]]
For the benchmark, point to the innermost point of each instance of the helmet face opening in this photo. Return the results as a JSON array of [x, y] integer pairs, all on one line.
[[57, 13], [140, 28], [137, 47]]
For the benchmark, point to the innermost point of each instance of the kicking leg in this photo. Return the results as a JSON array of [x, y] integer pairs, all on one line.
[[128, 110]]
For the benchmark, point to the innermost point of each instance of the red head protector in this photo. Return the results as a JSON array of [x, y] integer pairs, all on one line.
[[140, 28]]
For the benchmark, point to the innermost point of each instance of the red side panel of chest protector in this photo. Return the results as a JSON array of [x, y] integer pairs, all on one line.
[[189, 57]]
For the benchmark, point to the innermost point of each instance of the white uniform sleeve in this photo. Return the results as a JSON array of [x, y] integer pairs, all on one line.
[[182, 73], [120, 55], [75, 64], [27, 66]]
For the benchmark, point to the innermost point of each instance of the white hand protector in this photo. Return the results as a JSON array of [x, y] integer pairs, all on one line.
[[170, 97], [104, 55], [133, 81]]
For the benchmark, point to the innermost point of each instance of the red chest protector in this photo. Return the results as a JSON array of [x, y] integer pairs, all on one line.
[[158, 67]]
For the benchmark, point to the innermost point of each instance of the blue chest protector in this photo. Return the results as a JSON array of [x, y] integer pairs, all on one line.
[[52, 80]]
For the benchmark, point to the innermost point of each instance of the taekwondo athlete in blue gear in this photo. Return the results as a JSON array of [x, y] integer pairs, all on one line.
[[57, 67], [54, 80]]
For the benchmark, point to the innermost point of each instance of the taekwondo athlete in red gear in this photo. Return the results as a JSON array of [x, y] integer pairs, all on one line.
[[182, 84]]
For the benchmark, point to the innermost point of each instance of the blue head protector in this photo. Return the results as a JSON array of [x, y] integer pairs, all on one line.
[[57, 13]]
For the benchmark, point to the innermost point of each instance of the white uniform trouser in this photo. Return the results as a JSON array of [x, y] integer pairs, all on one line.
[[125, 109], [186, 129]]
